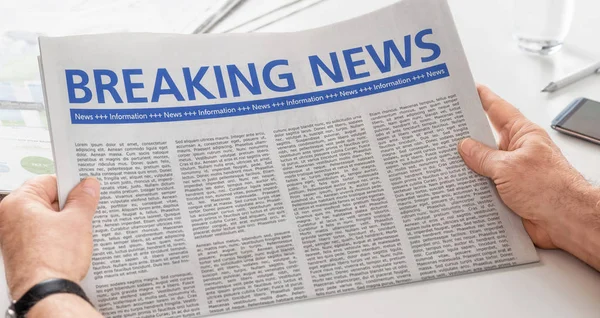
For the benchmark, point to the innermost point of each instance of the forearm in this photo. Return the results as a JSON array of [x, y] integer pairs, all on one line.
[[577, 231], [64, 306]]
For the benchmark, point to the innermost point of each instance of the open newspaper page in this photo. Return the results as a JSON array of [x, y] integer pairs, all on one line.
[[246, 170]]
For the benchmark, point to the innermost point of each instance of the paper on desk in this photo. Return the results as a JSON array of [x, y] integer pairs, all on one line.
[[25, 149]]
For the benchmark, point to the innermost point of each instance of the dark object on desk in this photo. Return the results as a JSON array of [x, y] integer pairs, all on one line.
[[580, 119]]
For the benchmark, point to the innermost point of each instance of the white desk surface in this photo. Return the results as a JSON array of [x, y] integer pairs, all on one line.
[[558, 286]]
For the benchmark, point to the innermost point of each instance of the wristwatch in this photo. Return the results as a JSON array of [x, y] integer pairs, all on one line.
[[19, 308]]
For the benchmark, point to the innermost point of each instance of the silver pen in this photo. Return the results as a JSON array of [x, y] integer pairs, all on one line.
[[217, 16], [572, 78]]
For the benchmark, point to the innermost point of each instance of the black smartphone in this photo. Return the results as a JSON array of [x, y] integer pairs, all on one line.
[[580, 119]]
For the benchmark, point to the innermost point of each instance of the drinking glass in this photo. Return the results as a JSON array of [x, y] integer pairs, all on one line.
[[540, 26]]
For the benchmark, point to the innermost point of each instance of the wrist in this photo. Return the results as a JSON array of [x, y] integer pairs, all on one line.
[[575, 228], [62, 305], [20, 284]]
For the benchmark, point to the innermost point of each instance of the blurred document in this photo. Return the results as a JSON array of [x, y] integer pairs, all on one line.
[[25, 149]]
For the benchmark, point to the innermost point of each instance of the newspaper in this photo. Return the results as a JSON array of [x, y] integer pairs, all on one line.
[[244, 170]]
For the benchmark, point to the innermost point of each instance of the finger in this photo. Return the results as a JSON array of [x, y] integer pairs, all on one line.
[[500, 112], [43, 187], [479, 157], [538, 235], [83, 199]]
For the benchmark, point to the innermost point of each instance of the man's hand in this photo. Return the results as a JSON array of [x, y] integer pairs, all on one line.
[[39, 241], [558, 206]]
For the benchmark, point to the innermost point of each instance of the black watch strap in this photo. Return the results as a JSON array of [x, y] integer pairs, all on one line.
[[38, 292]]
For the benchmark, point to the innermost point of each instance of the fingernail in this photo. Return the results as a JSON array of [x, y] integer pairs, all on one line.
[[91, 186], [467, 146]]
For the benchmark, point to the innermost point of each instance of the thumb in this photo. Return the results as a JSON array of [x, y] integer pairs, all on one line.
[[479, 157], [83, 199]]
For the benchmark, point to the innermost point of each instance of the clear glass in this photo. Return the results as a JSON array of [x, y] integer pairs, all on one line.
[[541, 26]]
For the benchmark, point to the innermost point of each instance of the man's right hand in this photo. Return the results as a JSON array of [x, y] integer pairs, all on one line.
[[560, 209], [39, 242]]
